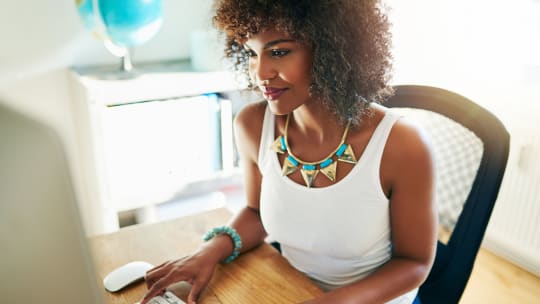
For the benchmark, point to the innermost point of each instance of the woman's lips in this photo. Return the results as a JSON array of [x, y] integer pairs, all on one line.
[[273, 93]]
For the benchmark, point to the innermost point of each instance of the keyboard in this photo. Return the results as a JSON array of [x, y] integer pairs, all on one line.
[[166, 298]]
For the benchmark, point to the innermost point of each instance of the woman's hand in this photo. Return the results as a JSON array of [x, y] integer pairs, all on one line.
[[196, 269]]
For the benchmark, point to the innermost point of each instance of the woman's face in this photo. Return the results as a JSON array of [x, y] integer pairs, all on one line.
[[281, 67]]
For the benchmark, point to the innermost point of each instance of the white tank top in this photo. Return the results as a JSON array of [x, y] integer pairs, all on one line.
[[337, 234]]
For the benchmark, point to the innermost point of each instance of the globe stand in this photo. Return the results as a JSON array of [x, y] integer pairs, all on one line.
[[127, 66], [126, 71]]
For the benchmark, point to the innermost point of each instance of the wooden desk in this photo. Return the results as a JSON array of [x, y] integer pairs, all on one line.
[[259, 276]]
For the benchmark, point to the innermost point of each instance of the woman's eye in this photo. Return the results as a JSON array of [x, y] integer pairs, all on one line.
[[279, 53], [251, 53]]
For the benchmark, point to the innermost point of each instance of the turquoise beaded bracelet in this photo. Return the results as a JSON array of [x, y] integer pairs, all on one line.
[[231, 233]]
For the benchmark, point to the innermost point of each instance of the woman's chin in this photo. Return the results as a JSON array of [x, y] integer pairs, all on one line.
[[277, 108]]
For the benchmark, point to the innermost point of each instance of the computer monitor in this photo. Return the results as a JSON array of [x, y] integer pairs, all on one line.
[[44, 254]]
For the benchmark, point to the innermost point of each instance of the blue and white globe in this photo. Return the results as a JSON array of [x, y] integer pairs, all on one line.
[[129, 23], [121, 24]]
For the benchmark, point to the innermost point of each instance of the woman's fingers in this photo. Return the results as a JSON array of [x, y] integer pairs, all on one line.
[[160, 285], [162, 268], [199, 283], [196, 288], [156, 273], [192, 270], [160, 271]]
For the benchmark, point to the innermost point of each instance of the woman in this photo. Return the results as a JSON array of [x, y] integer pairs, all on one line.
[[342, 183]]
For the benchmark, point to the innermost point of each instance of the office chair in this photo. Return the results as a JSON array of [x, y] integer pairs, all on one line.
[[471, 150]]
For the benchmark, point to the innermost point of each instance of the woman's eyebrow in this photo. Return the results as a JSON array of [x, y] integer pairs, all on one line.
[[274, 42], [270, 44]]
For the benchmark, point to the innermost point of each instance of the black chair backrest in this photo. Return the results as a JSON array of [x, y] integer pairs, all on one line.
[[454, 260]]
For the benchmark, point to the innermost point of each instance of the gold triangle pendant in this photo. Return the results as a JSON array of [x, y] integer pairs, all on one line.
[[289, 166], [277, 146], [309, 171], [309, 176], [348, 155], [330, 171]]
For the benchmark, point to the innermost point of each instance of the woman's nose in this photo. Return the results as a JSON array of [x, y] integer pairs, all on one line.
[[262, 70]]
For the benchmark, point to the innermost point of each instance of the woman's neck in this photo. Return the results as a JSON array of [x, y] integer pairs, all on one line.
[[316, 122]]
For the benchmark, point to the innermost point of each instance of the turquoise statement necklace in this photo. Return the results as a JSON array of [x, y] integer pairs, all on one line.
[[310, 170]]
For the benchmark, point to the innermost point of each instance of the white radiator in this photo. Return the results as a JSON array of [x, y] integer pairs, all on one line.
[[514, 228]]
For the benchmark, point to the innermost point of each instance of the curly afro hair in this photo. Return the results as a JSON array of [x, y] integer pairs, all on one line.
[[350, 40]]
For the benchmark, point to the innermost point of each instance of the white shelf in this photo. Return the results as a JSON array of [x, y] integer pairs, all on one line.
[[109, 86], [157, 86]]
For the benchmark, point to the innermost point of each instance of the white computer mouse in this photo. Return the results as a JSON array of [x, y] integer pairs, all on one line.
[[126, 275]]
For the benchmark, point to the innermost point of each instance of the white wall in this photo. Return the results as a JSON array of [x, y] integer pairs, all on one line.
[[486, 50], [40, 36]]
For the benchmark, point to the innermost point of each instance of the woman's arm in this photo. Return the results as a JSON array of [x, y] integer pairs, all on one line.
[[407, 172], [248, 127]]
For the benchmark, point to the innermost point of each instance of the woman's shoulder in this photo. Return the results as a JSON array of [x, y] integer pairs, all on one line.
[[248, 125], [407, 152], [404, 130], [407, 141], [251, 117]]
